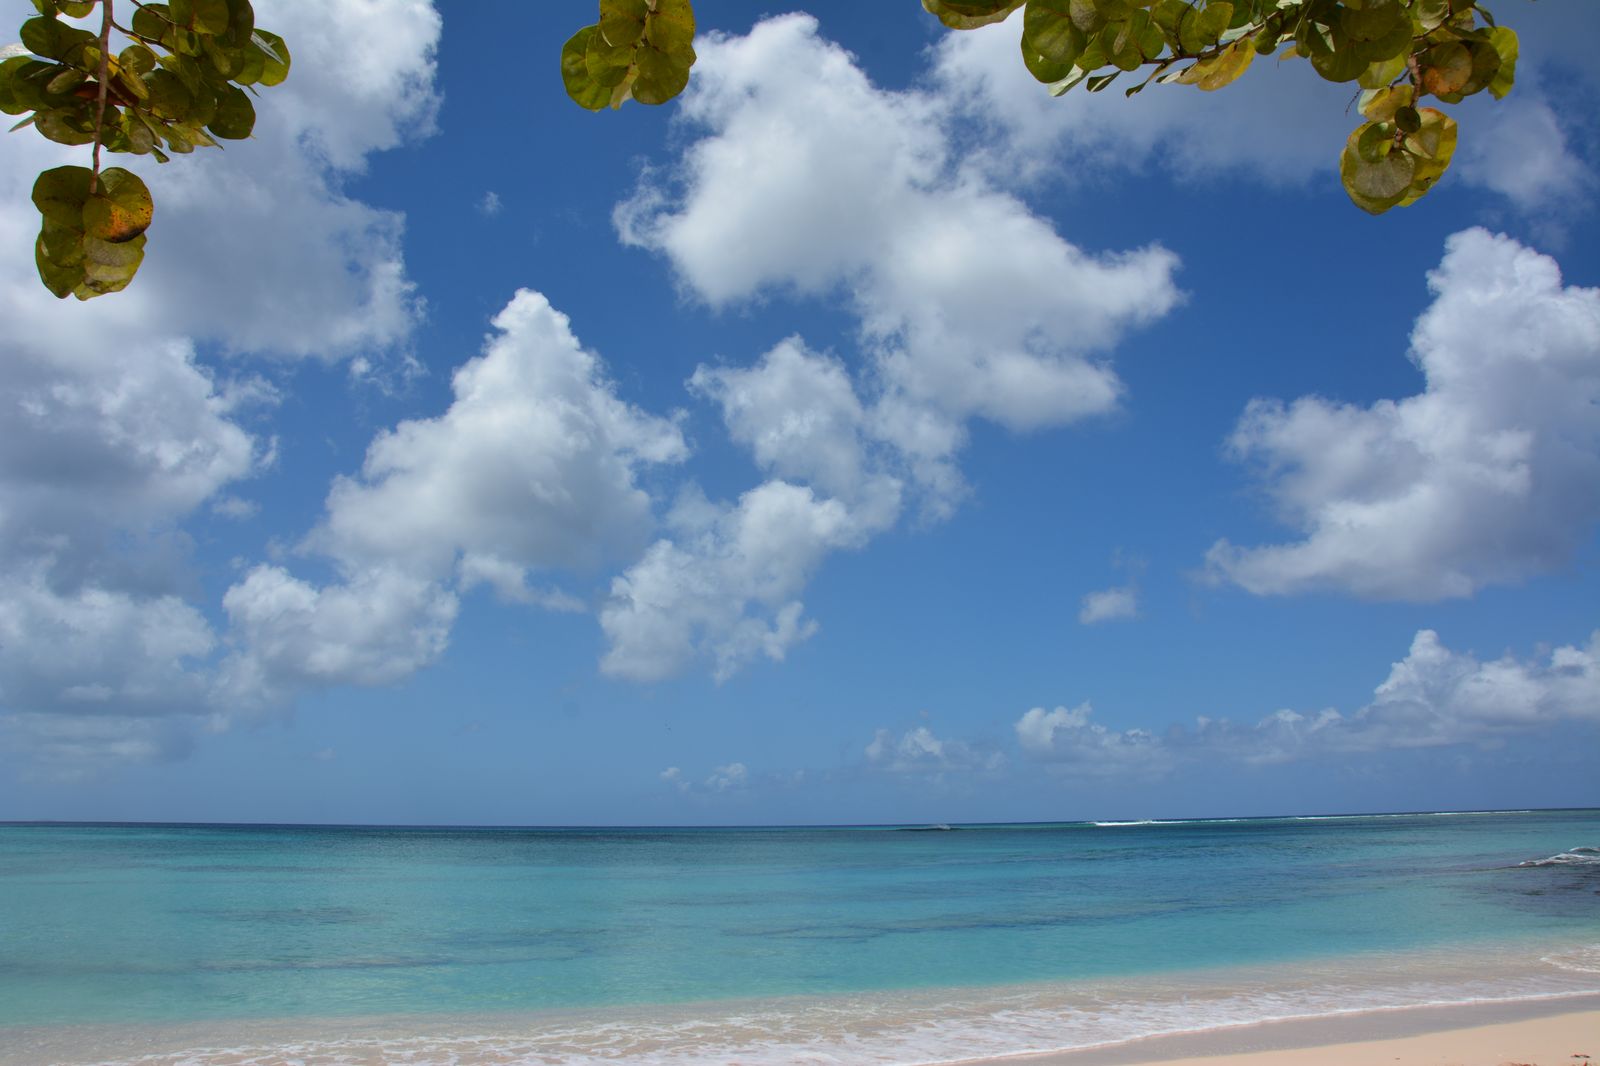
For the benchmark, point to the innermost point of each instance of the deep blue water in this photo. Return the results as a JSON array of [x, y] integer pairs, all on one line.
[[167, 923]]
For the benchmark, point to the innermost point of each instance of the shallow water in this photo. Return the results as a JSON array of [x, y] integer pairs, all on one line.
[[751, 945]]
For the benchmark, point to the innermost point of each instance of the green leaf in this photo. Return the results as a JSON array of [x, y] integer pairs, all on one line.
[[970, 14], [582, 86], [241, 22], [1202, 28], [1504, 40], [275, 55], [152, 21], [108, 267], [1382, 73], [622, 21], [60, 194], [137, 58], [1342, 64], [1435, 144], [89, 244], [1087, 17], [1374, 19], [66, 127], [120, 208], [1379, 105], [1446, 68], [1121, 47], [202, 16], [235, 116], [67, 80], [1375, 186], [646, 61], [1051, 42], [1431, 14], [661, 75], [1071, 81], [169, 97], [1224, 68], [1168, 16]]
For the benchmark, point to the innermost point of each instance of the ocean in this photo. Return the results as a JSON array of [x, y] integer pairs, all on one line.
[[205, 944]]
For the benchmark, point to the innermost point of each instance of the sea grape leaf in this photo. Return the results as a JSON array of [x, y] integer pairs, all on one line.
[[582, 86]]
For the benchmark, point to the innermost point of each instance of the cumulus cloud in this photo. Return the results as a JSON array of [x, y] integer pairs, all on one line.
[[1434, 697], [807, 180], [729, 777], [919, 752], [812, 179], [373, 628], [1109, 605], [533, 467], [724, 587], [798, 413], [1065, 736], [1489, 476], [533, 464], [117, 433]]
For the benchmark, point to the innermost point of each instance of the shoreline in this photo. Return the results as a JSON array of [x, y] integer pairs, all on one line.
[[1542, 1032], [1526, 1030]]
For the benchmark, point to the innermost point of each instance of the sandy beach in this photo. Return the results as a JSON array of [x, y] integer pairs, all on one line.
[[1565, 1039]]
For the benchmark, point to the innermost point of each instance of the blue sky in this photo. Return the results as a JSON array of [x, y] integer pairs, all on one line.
[[865, 436]]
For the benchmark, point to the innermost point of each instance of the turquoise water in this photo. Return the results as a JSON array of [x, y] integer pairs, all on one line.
[[160, 925]]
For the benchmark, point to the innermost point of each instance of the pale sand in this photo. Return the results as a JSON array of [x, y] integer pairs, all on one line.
[[1566, 1039]]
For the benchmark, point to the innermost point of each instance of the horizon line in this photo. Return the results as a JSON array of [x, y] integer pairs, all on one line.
[[1105, 823]]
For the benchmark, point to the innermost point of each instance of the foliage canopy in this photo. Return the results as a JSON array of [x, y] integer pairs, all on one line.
[[1396, 52], [185, 74], [182, 80]]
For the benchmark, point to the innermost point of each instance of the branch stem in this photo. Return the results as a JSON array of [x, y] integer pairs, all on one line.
[[105, 84]]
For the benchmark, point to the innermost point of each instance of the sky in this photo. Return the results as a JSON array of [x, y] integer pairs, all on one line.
[[864, 437]]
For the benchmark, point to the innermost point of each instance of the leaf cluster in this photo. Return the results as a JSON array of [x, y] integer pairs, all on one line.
[[182, 80], [1396, 51], [639, 50]]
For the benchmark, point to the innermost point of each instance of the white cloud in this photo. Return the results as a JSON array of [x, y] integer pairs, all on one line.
[[533, 467], [489, 204], [798, 413], [1109, 605], [373, 628], [235, 507], [919, 752], [1067, 736], [1489, 476], [116, 435], [94, 447], [729, 777], [1434, 697], [810, 181], [96, 651], [1519, 148], [725, 588]]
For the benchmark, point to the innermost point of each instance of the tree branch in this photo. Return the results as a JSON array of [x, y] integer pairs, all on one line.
[[105, 84]]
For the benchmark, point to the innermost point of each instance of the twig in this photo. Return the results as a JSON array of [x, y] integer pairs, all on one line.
[[105, 81]]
